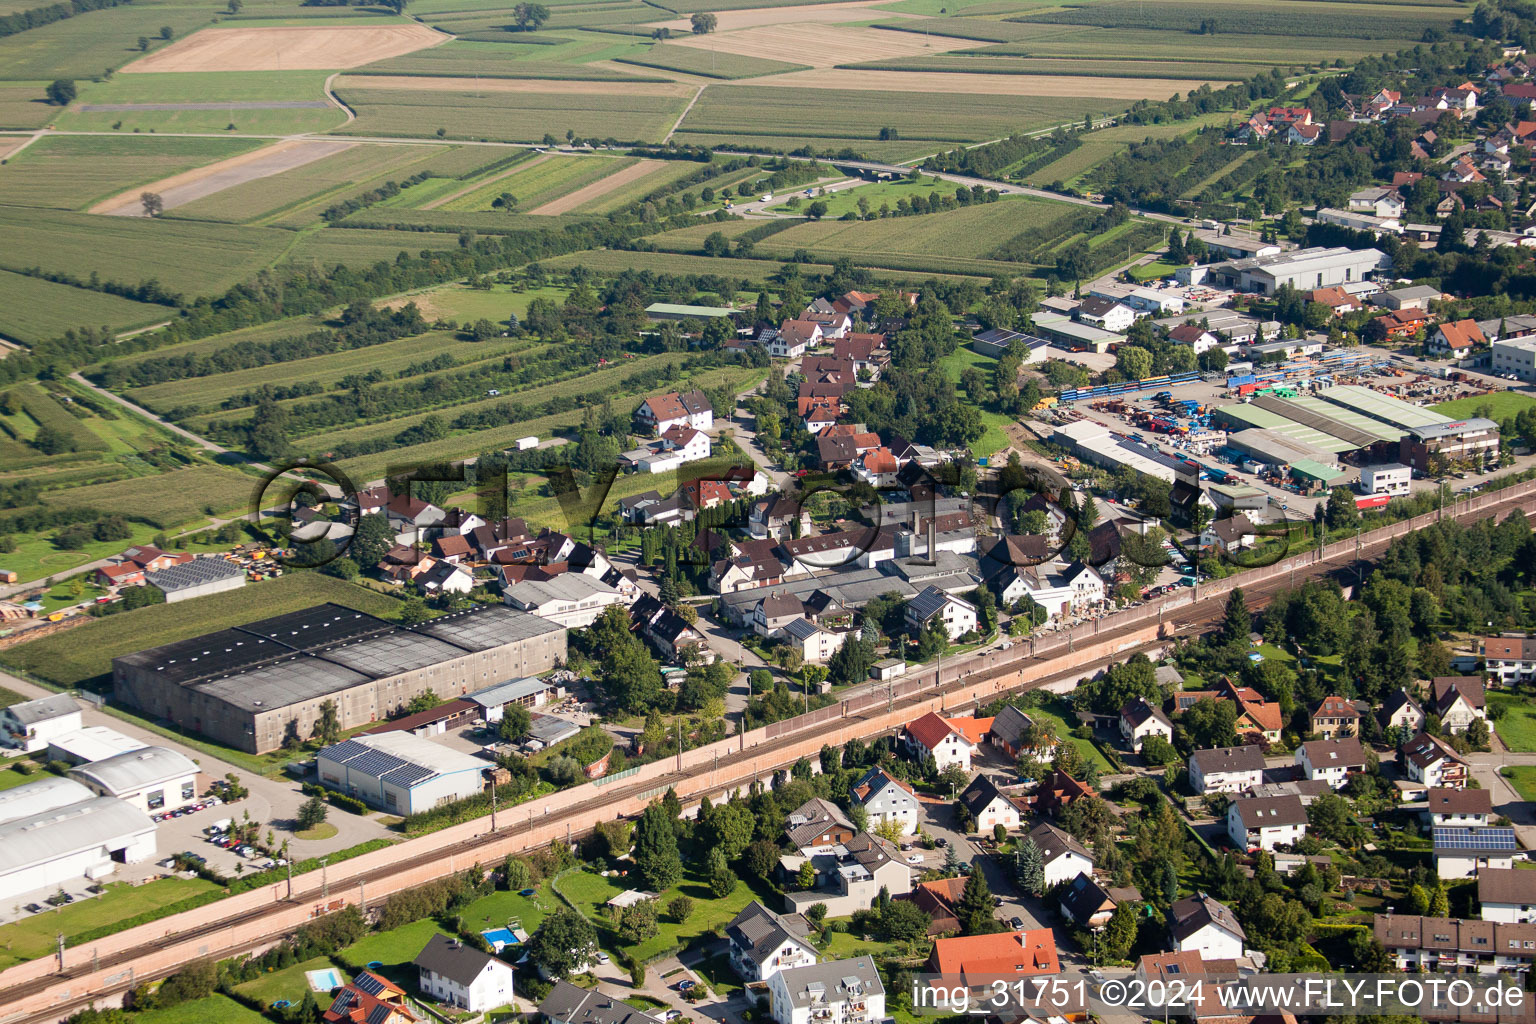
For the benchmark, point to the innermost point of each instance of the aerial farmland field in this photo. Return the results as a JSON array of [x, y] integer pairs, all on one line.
[[73, 172], [36, 309]]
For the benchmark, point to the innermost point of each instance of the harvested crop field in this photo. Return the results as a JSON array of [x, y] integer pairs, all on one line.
[[832, 45], [952, 83], [74, 171], [537, 182], [565, 88], [808, 14], [600, 188], [201, 182], [318, 181], [692, 61], [288, 48]]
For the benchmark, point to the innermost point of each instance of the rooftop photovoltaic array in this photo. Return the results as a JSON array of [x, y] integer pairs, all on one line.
[[1482, 840]]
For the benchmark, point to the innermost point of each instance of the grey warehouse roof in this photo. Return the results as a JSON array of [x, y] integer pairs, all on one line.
[[506, 693], [320, 650], [131, 772], [43, 708], [45, 794], [400, 758], [195, 573], [62, 831]]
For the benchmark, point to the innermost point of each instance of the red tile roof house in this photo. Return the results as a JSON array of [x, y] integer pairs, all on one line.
[[999, 955], [1457, 339], [130, 566], [947, 740], [660, 413]]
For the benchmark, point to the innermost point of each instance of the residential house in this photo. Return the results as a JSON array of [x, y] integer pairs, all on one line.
[[1226, 769], [1463, 171], [1336, 299], [1090, 905], [1463, 852], [1106, 314], [850, 876], [1431, 760], [837, 450], [939, 899], [793, 338], [958, 616], [818, 826], [834, 324], [1334, 716], [369, 999], [1332, 761], [1139, 719], [1064, 858], [1057, 790], [1228, 536], [865, 351], [1460, 701], [1015, 734], [1456, 340], [1507, 896], [1402, 710], [1258, 719], [570, 1004], [1459, 807], [990, 806], [132, 566], [1402, 323], [571, 599], [941, 739], [776, 517], [1264, 823], [675, 447], [1509, 659], [1304, 134], [454, 548], [887, 798], [1195, 336], [446, 578], [814, 643], [1060, 590], [1204, 924], [876, 467], [836, 992], [676, 409], [409, 516], [463, 976], [1448, 944], [1379, 202], [999, 955], [773, 613], [29, 726], [762, 942]]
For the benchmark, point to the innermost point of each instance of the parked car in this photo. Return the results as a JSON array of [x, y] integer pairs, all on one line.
[[34, 908]]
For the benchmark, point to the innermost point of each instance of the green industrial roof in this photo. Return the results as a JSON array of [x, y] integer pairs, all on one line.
[[1253, 416], [1382, 407], [1316, 470], [1348, 417]]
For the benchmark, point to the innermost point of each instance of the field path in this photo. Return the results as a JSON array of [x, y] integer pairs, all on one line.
[[679, 122], [599, 188], [467, 189], [9, 153], [200, 182], [333, 98]]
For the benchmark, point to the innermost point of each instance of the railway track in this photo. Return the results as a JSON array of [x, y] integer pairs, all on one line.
[[741, 767]]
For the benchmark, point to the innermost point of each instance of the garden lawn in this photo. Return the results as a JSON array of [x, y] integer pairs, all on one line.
[[36, 936], [1056, 711], [589, 892], [1505, 405], [10, 777], [499, 908], [1518, 726], [218, 1008], [9, 697], [394, 949], [1523, 779], [288, 983]]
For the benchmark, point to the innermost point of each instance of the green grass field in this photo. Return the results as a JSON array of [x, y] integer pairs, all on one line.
[[203, 87], [465, 58], [393, 948], [845, 114], [973, 64], [1093, 43], [537, 183], [707, 63], [590, 891], [507, 117], [1503, 406], [1518, 726], [317, 182], [874, 195], [32, 309], [219, 1008], [663, 179], [22, 105], [72, 172], [288, 983], [34, 935], [170, 499], [85, 653], [83, 47], [1295, 18], [359, 246]]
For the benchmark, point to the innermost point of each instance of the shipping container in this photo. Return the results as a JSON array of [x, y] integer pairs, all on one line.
[[524, 443], [1372, 501]]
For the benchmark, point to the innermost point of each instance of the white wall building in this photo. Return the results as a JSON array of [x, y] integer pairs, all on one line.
[[572, 599], [1064, 857], [763, 942], [1389, 478], [29, 725], [1515, 357], [152, 779], [64, 834], [933, 604], [1507, 895], [1201, 923], [836, 992], [93, 743], [1226, 769], [887, 798], [936, 737], [1332, 761], [462, 976], [398, 772], [1265, 822]]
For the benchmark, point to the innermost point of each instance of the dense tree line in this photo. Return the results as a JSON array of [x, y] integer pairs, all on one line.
[[37, 17]]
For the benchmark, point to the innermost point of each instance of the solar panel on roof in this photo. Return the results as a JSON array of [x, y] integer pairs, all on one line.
[[410, 774], [368, 983], [1475, 839], [345, 751], [376, 763]]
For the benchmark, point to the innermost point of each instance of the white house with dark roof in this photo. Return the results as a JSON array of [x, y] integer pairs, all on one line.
[[463, 976], [1064, 857], [990, 806], [1265, 822], [1013, 733], [1226, 769], [763, 942], [1430, 760], [1507, 895], [1139, 719], [1202, 923], [1460, 808], [30, 725], [886, 798], [934, 605], [1332, 761], [1460, 701]]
